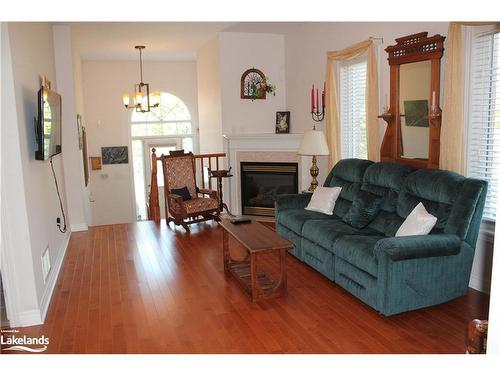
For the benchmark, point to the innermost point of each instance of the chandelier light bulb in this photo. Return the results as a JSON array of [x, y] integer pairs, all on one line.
[[138, 98], [126, 100]]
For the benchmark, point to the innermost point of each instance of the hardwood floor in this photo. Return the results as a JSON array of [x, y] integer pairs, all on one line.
[[139, 288]]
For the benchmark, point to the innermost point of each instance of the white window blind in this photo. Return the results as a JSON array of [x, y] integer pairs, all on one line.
[[483, 141], [352, 93]]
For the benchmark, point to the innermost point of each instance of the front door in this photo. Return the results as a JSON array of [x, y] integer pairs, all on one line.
[[141, 155]]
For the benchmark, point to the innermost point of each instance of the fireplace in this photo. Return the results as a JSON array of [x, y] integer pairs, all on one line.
[[261, 182]]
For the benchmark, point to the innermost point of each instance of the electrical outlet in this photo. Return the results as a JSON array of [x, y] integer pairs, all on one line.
[[46, 263]]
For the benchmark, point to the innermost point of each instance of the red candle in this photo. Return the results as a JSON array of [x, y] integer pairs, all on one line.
[[317, 100], [312, 99]]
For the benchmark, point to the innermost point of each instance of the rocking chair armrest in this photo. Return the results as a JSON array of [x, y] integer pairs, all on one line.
[[211, 193], [175, 204], [175, 198]]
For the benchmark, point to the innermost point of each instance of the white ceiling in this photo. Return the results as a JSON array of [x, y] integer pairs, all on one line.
[[163, 40]]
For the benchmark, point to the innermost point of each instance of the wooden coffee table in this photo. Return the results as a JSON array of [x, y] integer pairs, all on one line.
[[258, 240]]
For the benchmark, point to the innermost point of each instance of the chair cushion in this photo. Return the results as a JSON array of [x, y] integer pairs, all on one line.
[[200, 204], [326, 232], [295, 218], [358, 251], [363, 210], [183, 192]]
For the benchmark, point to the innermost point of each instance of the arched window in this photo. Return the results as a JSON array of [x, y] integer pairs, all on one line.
[[171, 117], [166, 127]]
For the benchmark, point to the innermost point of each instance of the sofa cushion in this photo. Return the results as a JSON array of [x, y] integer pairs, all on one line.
[[466, 214], [326, 232], [359, 251], [295, 218], [418, 222], [386, 180], [363, 210], [436, 189], [347, 174], [323, 199]]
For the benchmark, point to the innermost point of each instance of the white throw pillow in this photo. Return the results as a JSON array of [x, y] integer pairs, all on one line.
[[323, 199], [418, 222]]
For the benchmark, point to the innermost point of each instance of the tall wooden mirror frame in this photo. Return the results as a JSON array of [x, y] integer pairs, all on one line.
[[413, 48]]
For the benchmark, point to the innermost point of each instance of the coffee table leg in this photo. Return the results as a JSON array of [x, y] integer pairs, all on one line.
[[284, 288], [253, 276], [225, 249]]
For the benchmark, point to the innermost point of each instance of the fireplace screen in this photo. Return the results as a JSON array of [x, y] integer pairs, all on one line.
[[262, 182]]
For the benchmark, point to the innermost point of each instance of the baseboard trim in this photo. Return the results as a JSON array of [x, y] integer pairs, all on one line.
[[479, 284], [79, 227], [52, 278], [30, 318]]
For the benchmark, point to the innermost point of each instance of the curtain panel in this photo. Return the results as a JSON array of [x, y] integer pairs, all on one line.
[[452, 149], [332, 100]]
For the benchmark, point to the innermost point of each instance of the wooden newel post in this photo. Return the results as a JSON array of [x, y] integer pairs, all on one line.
[[154, 203]]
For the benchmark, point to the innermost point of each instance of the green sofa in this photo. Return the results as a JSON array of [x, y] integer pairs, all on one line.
[[391, 274]]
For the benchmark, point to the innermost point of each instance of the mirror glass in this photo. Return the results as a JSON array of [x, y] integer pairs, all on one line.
[[414, 103]]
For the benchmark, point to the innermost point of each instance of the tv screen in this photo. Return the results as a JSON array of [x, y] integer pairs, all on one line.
[[48, 127]]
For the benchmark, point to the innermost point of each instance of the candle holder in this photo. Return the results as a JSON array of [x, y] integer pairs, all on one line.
[[435, 116], [317, 115], [386, 116]]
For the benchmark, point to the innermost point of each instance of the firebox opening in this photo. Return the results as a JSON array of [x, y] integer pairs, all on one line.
[[261, 182]]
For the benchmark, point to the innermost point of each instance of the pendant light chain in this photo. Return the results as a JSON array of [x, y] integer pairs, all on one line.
[[140, 61]]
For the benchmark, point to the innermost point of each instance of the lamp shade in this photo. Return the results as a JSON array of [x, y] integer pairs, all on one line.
[[313, 143]]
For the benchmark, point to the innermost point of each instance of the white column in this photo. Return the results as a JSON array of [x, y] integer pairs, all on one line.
[[72, 155]]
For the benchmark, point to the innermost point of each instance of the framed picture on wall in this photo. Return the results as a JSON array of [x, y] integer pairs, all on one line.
[[282, 122], [114, 155]]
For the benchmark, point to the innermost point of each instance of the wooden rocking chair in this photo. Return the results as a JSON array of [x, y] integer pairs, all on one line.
[[179, 171]]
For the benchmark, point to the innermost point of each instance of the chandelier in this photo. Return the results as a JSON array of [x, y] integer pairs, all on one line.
[[143, 102]]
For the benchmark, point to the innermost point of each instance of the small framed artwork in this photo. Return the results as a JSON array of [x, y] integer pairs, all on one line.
[[95, 162], [282, 122], [80, 130], [114, 155]]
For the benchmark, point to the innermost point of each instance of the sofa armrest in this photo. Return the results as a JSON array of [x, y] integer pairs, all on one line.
[[412, 247], [287, 201]]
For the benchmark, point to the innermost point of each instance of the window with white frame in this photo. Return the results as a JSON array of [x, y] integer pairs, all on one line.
[[483, 138], [352, 94]]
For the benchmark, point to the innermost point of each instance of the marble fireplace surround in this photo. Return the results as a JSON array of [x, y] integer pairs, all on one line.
[[261, 148]]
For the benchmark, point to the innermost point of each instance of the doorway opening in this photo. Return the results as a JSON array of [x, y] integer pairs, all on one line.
[[166, 128]]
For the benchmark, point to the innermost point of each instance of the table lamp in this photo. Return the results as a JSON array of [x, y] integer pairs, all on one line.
[[313, 144]]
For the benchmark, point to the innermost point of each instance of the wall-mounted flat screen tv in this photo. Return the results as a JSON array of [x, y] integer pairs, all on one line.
[[48, 126]]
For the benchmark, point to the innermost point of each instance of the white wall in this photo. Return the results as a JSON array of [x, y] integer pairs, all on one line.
[[242, 51], [33, 217], [108, 124], [209, 97]]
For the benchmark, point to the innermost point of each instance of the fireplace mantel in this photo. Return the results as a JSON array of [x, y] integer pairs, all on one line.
[[261, 147]]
